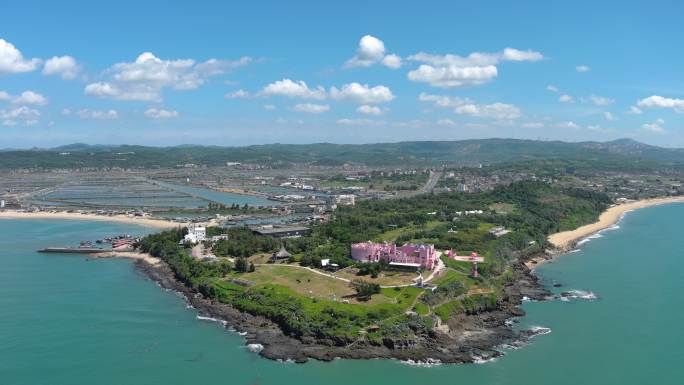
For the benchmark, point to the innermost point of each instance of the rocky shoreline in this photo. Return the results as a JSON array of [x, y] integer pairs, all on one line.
[[469, 338]]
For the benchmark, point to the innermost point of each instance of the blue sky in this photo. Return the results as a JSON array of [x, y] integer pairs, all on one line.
[[167, 73]]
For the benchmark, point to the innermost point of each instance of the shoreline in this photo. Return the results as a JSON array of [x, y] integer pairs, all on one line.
[[565, 241], [134, 255], [158, 223], [477, 337], [480, 336]]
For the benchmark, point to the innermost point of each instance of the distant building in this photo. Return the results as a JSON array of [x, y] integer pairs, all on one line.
[[220, 237], [498, 231], [282, 231], [419, 256]]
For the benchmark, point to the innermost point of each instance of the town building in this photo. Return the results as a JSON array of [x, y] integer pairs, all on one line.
[[418, 256]]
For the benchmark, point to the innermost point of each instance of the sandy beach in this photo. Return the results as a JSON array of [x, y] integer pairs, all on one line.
[[10, 214], [130, 255], [566, 240]]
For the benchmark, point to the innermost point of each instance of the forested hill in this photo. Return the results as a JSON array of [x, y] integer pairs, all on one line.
[[618, 153]]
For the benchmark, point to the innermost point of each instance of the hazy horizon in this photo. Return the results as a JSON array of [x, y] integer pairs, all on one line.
[[245, 73]]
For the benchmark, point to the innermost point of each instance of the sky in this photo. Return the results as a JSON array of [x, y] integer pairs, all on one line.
[[227, 73]]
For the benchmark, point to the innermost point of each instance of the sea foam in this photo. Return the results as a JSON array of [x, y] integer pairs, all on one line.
[[426, 363], [578, 294]]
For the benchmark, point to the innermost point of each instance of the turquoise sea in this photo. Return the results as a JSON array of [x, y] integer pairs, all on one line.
[[67, 320]]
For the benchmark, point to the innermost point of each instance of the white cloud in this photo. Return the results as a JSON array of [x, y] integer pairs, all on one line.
[[441, 100], [66, 111], [452, 76], [27, 116], [146, 77], [269, 107], [369, 110], [30, 97], [533, 125], [160, 113], [291, 89], [601, 101], [371, 50], [569, 124], [23, 113], [359, 122], [392, 61], [311, 108], [498, 111], [513, 54], [12, 60], [657, 101], [634, 110], [64, 66], [26, 97], [609, 116], [655, 127], [239, 94], [566, 99], [450, 71], [97, 114], [552, 88], [446, 122], [582, 68], [362, 94]]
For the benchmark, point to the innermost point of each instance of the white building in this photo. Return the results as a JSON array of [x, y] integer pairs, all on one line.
[[345, 199], [196, 234]]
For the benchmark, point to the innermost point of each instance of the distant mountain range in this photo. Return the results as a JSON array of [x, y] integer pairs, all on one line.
[[617, 153]]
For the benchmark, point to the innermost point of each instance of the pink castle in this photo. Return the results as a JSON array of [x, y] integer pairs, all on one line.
[[422, 256]]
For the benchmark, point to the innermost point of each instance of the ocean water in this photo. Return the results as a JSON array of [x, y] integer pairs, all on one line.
[[67, 320]]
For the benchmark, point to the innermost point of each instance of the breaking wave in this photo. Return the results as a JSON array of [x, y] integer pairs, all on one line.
[[426, 363], [537, 331], [211, 319], [255, 348], [578, 294]]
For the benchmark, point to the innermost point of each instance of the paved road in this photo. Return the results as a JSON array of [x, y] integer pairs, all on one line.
[[431, 182]]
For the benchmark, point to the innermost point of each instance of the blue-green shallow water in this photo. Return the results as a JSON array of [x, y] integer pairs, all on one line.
[[68, 321]]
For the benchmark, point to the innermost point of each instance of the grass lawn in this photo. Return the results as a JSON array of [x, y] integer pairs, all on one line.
[[502, 208], [392, 235], [385, 278], [311, 285]]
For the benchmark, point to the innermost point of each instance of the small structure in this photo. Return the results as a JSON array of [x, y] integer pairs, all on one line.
[[281, 254], [473, 258]]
